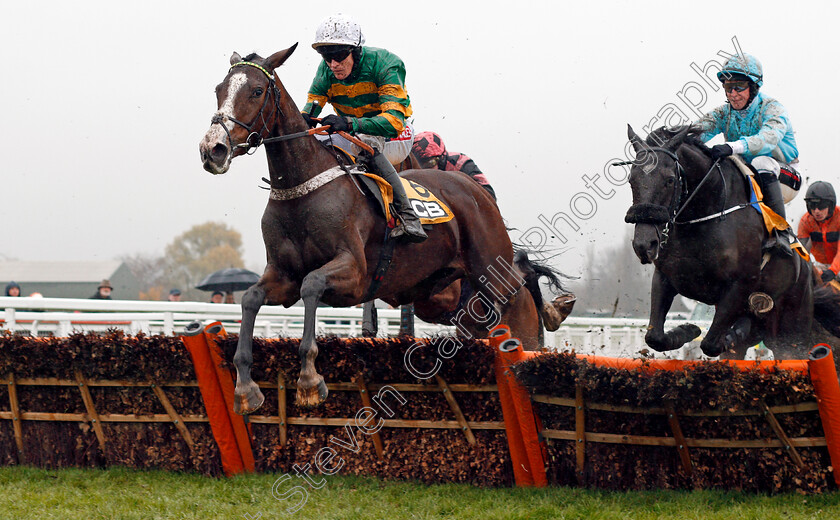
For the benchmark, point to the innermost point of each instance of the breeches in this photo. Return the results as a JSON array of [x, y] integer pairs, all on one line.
[[395, 149]]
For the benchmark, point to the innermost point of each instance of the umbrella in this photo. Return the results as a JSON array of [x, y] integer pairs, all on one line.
[[229, 280]]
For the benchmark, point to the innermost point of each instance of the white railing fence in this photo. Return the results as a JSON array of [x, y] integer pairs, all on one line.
[[613, 337]]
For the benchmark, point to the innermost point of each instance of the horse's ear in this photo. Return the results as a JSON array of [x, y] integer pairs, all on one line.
[[635, 140], [235, 58], [277, 59]]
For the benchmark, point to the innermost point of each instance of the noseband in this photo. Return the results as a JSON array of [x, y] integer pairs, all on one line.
[[254, 139]]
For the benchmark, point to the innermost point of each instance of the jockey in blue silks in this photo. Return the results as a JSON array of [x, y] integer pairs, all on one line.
[[758, 128]]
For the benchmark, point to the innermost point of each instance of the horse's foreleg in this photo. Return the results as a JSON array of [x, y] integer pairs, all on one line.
[[662, 293], [247, 395], [342, 279]]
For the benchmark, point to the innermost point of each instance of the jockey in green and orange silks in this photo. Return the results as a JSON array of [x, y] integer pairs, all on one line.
[[366, 88]]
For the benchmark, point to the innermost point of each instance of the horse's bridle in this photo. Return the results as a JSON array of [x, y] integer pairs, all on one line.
[[656, 214], [254, 139]]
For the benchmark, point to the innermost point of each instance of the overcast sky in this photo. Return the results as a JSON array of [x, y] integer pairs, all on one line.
[[104, 104]]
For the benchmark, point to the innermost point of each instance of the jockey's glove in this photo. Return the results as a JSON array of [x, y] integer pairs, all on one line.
[[827, 276], [308, 119], [720, 151], [336, 123]]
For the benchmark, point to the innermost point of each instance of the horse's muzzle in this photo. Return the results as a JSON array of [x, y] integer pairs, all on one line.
[[215, 156], [646, 243]]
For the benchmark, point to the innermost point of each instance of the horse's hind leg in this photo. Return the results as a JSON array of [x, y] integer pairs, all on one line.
[[523, 319], [247, 396], [502, 285], [731, 325], [311, 388]]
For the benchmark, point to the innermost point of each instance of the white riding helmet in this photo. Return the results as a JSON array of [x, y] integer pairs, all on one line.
[[338, 30]]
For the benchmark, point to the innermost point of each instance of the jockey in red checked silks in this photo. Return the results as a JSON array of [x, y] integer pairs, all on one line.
[[366, 87], [756, 127], [431, 152]]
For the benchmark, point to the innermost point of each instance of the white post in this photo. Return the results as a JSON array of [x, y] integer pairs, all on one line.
[[168, 324], [11, 324], [384, 329], [63, 328]]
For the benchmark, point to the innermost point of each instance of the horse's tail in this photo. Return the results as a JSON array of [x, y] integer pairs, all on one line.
[[552, 313], [827, 308]]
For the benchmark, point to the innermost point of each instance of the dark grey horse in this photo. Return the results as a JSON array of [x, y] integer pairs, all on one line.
[[695, 224]]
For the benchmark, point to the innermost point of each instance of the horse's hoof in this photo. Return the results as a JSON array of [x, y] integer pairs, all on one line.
[[679, 336], [712, 350], [312, 396], [659, 344], [247, 399], [760, 303], [555, 312]]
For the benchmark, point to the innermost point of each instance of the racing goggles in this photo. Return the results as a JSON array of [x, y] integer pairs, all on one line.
[[814, 204], [737, 86], [337, 53]]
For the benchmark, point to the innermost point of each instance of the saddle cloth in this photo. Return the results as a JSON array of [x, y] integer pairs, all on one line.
[[772, 220], [428, 208]]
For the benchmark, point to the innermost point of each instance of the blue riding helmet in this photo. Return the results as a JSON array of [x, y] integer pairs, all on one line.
[[745, 65]]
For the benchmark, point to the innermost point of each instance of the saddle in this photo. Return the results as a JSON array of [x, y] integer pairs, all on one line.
[[429, 209]]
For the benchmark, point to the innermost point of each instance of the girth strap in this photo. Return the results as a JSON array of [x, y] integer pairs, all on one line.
[[386, 253]]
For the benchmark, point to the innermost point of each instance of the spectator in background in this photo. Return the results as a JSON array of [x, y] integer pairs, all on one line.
[[12, 289], [103, 292], [217, 297], [229, 298], [175, 295]]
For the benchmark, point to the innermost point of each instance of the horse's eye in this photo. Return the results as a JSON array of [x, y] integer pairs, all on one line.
[[670, 181], [257, 92]]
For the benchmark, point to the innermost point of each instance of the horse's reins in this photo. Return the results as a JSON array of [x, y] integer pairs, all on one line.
[[254, 139]]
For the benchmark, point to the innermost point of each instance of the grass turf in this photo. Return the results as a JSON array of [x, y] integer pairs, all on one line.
[[123, 494]]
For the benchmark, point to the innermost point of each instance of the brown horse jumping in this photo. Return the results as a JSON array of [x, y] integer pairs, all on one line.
[[323, 238]]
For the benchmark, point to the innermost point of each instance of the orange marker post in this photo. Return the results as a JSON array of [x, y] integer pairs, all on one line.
[[214, 401], [827, 388], [518, 455], [512, 353], [241, 430]]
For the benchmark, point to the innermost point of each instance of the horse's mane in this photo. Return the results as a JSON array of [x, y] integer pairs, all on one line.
[[252, 57], [664, 136]]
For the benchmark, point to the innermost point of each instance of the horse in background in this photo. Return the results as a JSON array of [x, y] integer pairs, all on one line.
[[695, 223]]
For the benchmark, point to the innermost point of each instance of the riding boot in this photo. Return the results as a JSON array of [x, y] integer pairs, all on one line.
[[409, 226], [772, 191]]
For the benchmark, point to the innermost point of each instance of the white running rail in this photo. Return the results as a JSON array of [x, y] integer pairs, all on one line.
[[613, 337]]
